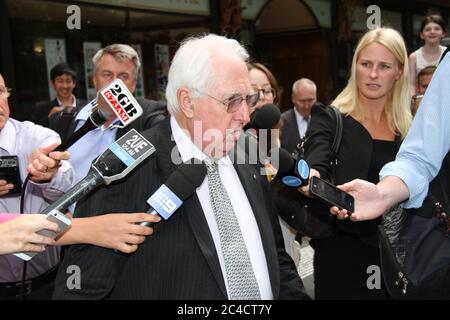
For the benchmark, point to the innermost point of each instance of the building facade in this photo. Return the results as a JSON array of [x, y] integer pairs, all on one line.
[[295, 38]]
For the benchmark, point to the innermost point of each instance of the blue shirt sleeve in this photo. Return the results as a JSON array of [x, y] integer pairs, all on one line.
[[428, 141]]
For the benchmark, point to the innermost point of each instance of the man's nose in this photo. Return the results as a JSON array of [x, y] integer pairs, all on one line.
[[244, 112]]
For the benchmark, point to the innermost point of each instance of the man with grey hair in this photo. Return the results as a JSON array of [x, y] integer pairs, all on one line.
[[296, 120], [224, 242], [114, 61]]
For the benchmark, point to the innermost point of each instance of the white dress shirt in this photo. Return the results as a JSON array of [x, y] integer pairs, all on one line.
[[241, 206], [302, 123]]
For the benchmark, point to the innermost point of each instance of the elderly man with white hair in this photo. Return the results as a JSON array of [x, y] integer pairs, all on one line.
[[224, 242]]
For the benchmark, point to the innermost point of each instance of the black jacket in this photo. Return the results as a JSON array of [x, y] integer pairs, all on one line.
[[290, 136], [40, 111], [353, 158]]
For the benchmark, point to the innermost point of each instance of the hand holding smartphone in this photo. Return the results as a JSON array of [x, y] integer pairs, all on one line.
[[9, 171], [54, 216], [332, 196]]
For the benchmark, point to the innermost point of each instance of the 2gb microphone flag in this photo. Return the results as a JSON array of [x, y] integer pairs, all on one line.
[[122, 102]]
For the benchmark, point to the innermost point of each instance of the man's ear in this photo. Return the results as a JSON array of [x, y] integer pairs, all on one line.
[[185, 102]]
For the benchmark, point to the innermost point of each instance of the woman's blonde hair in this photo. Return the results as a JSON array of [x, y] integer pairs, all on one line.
[[398, 104]]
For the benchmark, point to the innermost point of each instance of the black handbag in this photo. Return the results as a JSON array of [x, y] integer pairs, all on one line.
[[415, 246], [309, 216]]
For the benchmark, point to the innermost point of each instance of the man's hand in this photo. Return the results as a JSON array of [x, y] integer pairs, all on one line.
[[5, 187], [369, 201], [43, 164], [55, 109], [20, 234]]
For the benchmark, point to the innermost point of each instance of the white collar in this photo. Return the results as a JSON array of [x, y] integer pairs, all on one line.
[[8, 137], [187, 148], [74, 101]]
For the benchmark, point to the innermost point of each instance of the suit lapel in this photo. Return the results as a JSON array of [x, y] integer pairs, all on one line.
[[193, 212], [250, 181], [295, 133]]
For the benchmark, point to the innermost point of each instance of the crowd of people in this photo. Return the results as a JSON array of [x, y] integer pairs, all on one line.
[[231, 239]]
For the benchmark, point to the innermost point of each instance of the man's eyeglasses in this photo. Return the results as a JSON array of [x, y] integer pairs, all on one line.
[[268, 93], [5, 92], [234, 102]]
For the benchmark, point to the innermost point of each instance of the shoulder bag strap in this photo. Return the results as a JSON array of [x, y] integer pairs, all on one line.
[[336, 143]]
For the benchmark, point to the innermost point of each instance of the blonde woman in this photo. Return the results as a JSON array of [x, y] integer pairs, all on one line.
[[375, 106]]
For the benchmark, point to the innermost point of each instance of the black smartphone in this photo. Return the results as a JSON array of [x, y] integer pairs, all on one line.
[[328, 193], [9, 171]]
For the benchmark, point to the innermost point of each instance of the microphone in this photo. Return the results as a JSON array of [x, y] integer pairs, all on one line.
[[253, 146], [96, 118], [294, 172], [179, 187], [113, 164], [264, 118], [114, 97]]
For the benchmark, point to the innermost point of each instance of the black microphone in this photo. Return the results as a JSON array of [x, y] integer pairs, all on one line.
[[179, 187], [113, 98], [264, 118], [96, 119], [113, 164], [252, 147], [293, 170]]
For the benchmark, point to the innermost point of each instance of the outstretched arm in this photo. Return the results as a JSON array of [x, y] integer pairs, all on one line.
[[112, 231]]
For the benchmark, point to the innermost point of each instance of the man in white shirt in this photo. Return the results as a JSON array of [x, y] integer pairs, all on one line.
[[296, 120], [51, 178]]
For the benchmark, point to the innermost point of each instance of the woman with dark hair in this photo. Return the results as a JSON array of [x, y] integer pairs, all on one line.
[[263, 81], [432, 30]]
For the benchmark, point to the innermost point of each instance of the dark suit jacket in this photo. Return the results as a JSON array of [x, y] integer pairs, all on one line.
[[179, 260], [289, 132], [153, 112], [40, 111]]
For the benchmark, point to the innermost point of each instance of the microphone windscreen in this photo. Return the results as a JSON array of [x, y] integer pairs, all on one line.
[[98, 116], [188, 177], [266, 117], [286, 162]]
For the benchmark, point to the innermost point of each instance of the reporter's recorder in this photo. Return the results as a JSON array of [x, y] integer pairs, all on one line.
[[63, 224]]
